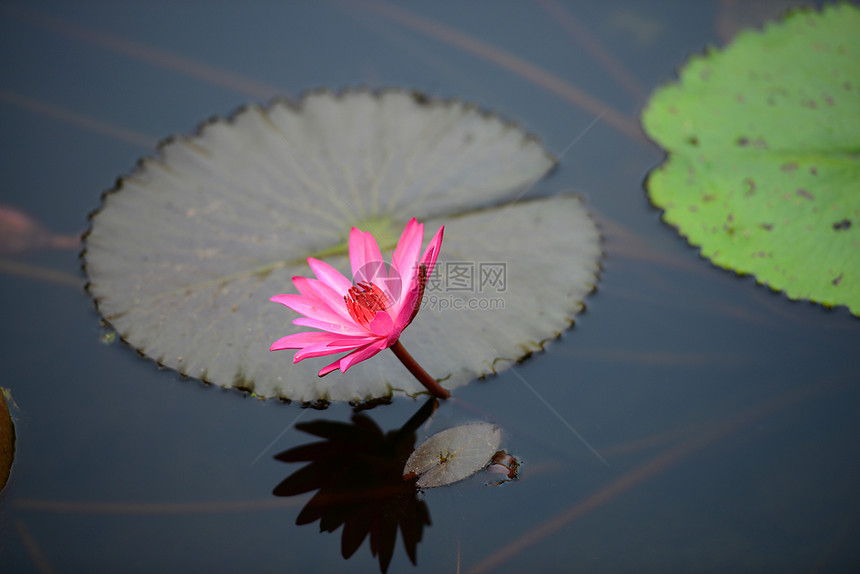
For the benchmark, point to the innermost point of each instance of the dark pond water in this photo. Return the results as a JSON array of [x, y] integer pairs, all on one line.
[[726, 414]]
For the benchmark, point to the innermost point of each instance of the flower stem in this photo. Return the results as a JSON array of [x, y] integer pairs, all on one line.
[[423, 377]]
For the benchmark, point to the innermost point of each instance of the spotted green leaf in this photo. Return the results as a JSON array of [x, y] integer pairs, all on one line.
[[763, 138]]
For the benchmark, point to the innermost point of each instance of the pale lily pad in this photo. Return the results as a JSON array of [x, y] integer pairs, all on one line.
[[764, 155], [186, 251], [453, 454]]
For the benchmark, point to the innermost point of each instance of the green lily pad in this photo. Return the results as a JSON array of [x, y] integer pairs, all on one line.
[[186, 251], [764, 155]]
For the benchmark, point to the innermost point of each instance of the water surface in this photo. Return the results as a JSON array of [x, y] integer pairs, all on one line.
[[727, 415]]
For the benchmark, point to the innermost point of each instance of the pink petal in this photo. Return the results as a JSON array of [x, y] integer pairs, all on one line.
[[338, 327], [329, 275], [390, 284], [317, 289], [282, 298], [432, 251], [407, 307], [395, 285], [406, 254], [381, 324], [360, 355], [309, 307], [322, 349], [351, 359], [300, 340], [329, 368], [364, 256]]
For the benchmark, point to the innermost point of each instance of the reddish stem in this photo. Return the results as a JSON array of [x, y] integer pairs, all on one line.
[[423, 377]]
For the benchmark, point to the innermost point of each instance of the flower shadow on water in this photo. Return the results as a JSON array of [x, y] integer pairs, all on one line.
[[357, 472]]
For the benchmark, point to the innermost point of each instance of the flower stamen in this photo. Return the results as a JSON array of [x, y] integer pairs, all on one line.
[[364, 301]]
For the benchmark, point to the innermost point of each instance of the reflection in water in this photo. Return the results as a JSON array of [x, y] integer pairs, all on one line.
[[19, 232], [357, 472]]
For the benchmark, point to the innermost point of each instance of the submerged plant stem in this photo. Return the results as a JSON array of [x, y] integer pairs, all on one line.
[[423, 376]]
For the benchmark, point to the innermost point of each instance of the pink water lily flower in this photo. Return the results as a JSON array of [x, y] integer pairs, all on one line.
[[366, 315]]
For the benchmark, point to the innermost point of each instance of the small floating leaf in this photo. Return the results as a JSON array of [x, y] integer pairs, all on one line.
[[763, 141], [453, 454], [185, 252]]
